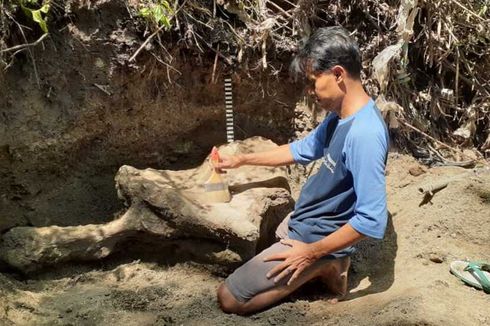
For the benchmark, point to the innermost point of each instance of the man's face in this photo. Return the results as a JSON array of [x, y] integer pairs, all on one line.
[[324, 87]]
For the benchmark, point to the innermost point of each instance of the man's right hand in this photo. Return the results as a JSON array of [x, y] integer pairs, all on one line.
[[229, 162], [278, 156]]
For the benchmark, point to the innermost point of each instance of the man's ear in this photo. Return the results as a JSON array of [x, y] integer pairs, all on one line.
[[339, 73]]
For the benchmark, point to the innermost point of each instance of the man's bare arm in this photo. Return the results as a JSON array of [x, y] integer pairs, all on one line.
[[279, 156], [344, 237]]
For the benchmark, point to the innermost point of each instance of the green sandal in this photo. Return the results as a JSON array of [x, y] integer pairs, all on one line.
[[476, 274]]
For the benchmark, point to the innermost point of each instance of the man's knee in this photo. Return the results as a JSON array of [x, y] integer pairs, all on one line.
[[227, 301], [334, 275]]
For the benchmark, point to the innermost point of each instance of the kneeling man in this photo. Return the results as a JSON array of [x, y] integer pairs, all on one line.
[[338, 206]]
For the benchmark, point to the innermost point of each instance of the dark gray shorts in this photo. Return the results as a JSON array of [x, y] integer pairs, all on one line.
[[250, 278]]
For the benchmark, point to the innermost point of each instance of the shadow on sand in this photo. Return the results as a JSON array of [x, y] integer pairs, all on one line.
[[373, 264]]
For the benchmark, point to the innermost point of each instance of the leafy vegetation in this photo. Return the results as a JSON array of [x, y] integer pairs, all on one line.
[[157, 12], [37, 11]]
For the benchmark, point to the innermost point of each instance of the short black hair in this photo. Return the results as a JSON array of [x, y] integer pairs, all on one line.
[[326, 48]]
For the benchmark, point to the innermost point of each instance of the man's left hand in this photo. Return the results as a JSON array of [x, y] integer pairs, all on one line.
[[296, 260]]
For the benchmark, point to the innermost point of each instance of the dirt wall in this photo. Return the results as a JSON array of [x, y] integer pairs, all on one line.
[[70, 118]]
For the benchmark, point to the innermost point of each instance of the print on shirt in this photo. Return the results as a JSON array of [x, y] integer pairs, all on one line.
[[329, 163]]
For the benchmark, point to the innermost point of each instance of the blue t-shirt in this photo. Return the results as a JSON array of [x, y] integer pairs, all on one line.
[[350, 185]]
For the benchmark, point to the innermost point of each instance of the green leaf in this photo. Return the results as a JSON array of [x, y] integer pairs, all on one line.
[[38, 18], [38, 15], [45, 8], [27, 11], [32, 2], [166, 5], [483, 10], [144, 12], [158, 14]]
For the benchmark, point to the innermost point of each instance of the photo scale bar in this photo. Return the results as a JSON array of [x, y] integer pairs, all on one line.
[[230, 131]]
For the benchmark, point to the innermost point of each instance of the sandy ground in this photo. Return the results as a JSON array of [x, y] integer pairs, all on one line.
[[403, 280]]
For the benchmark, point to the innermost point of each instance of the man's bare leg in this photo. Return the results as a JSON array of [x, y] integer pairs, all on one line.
[[335, 279], [332, 272]]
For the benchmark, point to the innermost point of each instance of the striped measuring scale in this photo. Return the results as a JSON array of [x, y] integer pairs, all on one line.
[[230, 130]]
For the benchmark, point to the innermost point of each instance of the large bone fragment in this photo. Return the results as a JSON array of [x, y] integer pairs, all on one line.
[[168, 206], [29, 248]]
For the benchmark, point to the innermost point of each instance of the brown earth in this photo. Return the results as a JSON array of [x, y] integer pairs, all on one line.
[[403, 280]]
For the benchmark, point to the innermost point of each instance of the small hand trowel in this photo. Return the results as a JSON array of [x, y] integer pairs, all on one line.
[[216, 189]]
